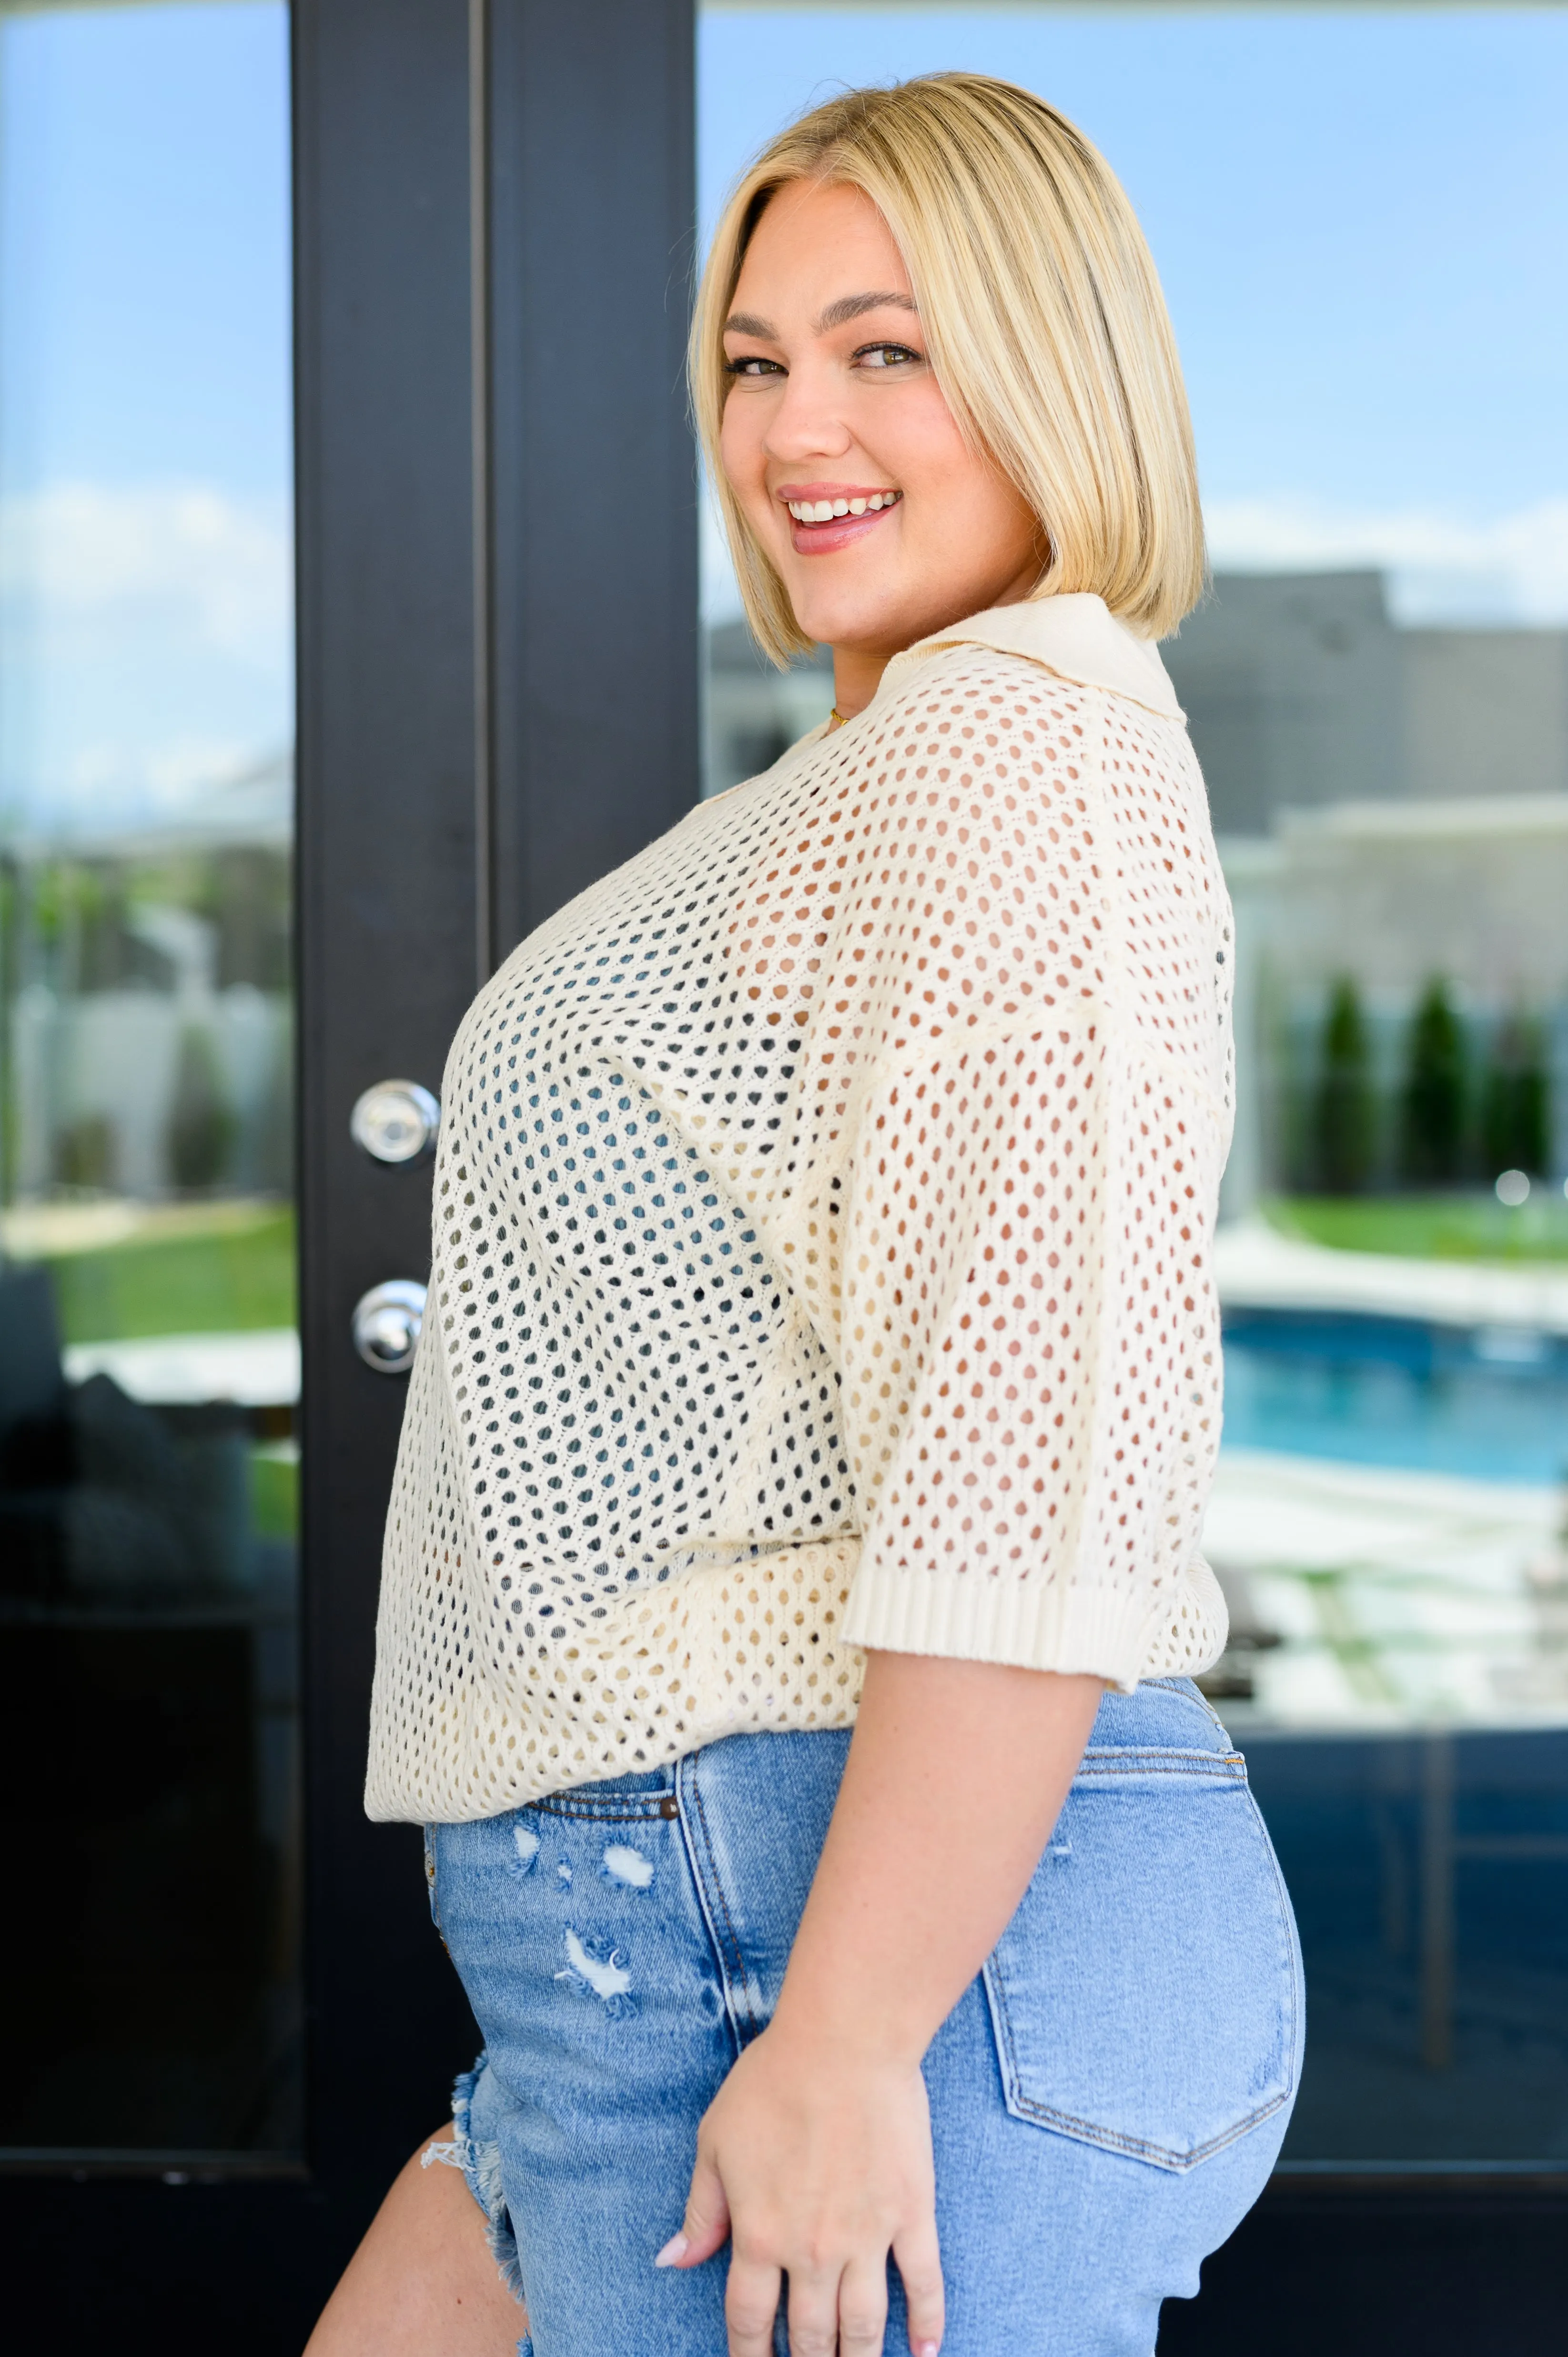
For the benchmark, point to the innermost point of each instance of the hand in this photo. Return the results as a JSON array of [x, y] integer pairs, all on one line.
[[816, 2163]]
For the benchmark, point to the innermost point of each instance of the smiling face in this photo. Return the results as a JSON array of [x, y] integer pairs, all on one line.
[[882, 521]]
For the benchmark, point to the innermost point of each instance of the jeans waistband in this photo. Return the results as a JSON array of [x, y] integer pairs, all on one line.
[[1161, 1715]]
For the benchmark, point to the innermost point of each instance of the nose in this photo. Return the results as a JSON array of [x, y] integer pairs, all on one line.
[[806, 423]]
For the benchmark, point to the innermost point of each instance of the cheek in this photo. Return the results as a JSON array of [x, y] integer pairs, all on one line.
[[741, 451], [928, 425], [968, 496], [919, 442]]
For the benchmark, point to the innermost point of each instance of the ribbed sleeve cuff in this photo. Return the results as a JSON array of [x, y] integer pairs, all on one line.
[[1031, 1624]]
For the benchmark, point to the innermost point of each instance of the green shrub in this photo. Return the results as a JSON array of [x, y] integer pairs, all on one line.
[[201, 1128], [1345, 1127], [1435, 1104], [1515, 1108]]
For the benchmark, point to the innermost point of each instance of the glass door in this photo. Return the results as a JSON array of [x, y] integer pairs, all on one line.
[[265, 819], [149, 1360]]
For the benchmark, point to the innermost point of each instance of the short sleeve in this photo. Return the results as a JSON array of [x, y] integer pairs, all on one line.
[[1029, 1329]]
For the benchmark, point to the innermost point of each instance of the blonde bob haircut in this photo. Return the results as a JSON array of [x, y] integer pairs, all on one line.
[[1044, 323]]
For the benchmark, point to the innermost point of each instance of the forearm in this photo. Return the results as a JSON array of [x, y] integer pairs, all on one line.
[[956, 1774]]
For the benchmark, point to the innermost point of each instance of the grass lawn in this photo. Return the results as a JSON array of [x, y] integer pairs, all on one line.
[[1429, 1227], [274, 1494], [219, 1279]]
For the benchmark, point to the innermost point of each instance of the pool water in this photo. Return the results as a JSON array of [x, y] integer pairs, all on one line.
[[1490, 1404], [1406, 1739]]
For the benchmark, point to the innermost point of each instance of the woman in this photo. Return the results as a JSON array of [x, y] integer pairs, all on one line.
[[821, 1334]]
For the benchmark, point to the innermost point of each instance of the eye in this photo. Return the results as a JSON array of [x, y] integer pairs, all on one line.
[[752, 365], [884, 356]]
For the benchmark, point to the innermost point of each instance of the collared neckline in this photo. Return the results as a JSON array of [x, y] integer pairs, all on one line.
[[1074, 635]]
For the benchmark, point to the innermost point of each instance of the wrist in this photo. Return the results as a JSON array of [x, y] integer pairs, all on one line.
[[842, 2029]]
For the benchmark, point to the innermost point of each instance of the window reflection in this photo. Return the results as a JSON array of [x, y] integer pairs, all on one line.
[[148, 1354]]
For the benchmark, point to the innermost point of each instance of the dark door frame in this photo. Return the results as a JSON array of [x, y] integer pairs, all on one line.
[[494, 201]]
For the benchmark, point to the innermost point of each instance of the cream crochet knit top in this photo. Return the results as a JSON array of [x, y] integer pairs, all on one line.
[[822, 1223]]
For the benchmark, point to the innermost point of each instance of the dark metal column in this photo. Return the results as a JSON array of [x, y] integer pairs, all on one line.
[[593, 653], [386, 928], [497, 701]]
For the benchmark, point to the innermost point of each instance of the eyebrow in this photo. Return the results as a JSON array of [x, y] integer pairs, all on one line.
[[837, 315], [854, 306]]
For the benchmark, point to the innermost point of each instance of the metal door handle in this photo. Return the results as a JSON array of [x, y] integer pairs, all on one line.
[[387, 1321], [395, 1121]]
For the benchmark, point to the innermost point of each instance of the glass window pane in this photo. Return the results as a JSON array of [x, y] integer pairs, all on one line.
[[1361, 221], [148, 1354]]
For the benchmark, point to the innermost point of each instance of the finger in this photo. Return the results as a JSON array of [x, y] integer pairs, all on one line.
[[751, 2308], [813, 2312], [706, 2222], [862, 2309], [920, 2261]]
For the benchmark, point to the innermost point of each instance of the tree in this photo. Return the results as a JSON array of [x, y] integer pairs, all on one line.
[[1436, 1092], [1515, 1105], [1345, 1139], [201, 1126]]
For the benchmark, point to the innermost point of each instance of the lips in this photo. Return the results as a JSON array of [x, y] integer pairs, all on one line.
[[825, 517]]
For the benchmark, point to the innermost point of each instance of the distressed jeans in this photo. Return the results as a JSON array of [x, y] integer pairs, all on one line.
[[1107, 2098]]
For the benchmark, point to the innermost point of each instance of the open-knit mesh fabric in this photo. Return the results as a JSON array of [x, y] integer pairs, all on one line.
[[821, 1254]]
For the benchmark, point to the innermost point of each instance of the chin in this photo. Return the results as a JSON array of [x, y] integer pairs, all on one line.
[[853, 624]]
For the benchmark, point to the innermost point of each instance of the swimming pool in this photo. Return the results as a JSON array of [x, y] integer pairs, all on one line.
[[1490, 1404]]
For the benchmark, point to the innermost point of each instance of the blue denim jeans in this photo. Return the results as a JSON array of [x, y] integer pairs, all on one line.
[[1107, 2098]]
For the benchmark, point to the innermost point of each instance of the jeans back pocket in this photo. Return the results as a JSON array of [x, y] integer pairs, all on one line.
[[1146, 1996]]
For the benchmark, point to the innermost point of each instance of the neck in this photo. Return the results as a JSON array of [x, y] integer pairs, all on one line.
[[856, 676], [857, 670]]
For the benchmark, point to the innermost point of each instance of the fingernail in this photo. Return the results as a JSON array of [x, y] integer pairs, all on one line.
[[675, 2250], [927, 2349]]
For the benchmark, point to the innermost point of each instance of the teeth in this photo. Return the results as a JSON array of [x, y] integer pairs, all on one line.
[[824, 510]]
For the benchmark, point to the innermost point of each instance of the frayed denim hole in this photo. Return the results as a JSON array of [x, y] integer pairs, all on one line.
[[481, 2164], [502, 2240], [626, 1866], [597, 1969], [463, 2088]]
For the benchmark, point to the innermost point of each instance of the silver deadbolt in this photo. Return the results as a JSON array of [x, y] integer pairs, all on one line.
[[395, 1121], [387, 1321]]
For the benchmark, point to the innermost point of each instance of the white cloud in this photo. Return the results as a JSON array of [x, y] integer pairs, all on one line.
[[218, 568], [164, 773], [1513, 568], [146, 635]]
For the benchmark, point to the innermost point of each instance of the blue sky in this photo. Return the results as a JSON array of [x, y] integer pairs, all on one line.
[[144, 407], [144, 262], [1360, 215]]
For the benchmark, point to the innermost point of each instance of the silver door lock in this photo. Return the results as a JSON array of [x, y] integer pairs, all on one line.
[[387, 1321], [395, 1121]]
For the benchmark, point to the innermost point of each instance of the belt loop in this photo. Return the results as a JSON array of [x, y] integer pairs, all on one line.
[[729, 1957]]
